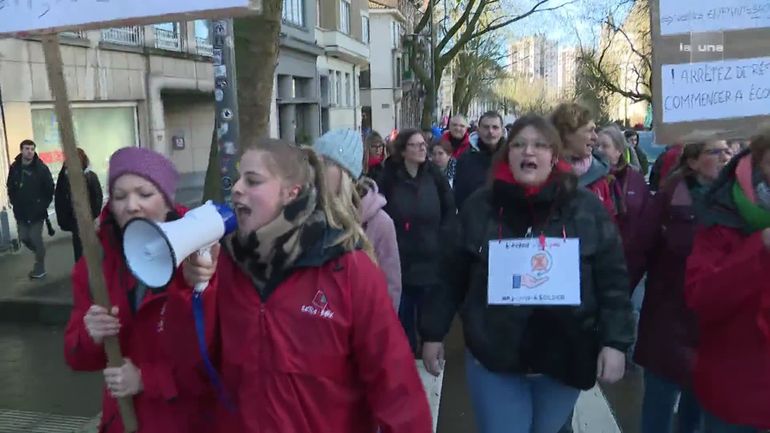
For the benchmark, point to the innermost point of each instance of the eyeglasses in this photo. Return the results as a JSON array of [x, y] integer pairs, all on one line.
[[539, 146], [717, 152]]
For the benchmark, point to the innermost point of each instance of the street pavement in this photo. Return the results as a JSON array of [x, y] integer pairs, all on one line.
[[38, 392]]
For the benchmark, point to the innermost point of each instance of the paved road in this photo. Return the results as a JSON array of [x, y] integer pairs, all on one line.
[[38, 392]]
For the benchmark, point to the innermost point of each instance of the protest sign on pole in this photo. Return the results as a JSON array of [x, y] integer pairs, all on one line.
[[711, 68], [47, 17]]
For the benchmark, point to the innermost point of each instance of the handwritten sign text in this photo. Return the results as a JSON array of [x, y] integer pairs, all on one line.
[[686, 16]]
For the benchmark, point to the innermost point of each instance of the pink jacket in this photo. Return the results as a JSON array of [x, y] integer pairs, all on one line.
[[381, 232]]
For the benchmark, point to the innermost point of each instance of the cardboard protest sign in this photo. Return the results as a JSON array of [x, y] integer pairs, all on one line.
[[711, 67], [51, 16]]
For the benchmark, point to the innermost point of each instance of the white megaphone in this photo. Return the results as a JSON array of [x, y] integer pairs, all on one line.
[[154, 251]]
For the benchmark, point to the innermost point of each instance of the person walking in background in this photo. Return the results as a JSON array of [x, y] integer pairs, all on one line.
[[421, 205], [727, 288], [526, 365], [664, 165], [441, 155], [374, 154], [473, 166], [30, 191], [636, 155], [577, 131], [667, 336], [627, 186], [65, 215], [341, 151], [458, 136]]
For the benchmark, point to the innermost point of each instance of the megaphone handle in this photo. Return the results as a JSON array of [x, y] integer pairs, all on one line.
[[204, 253]]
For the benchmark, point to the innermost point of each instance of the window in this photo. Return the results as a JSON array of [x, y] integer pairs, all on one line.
[[345, 16], [395, 35], [365, 36], [294, 12], [167, 36], [348, 90], [338, 80], [366, 79], [203, 40]]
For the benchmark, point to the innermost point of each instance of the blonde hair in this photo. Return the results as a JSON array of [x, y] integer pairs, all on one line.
[[301, 165]]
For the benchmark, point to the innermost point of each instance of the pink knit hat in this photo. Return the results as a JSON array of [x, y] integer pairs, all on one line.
[[148, 164]]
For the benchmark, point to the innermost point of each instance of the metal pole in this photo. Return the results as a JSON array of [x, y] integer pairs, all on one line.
[[226, 104]]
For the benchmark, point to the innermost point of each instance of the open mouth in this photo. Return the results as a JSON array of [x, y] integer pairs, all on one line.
[[241, 211], [528, 165]]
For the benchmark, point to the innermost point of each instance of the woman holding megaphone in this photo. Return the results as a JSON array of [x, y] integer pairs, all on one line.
[[160, 370], [308, 341]]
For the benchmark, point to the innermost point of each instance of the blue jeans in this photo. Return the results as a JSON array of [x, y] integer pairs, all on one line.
[[713, 424], [409, 311], [512, 403], [658, 407]]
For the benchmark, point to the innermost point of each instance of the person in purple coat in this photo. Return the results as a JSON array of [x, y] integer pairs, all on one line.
[[630, 194], [667, 335]]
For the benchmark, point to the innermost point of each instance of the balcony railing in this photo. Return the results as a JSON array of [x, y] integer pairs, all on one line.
[[167, 40], [204, 47], [131, 36]]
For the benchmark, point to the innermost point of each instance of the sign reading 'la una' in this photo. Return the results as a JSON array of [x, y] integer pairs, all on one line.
[[49, 16], [711, 67]]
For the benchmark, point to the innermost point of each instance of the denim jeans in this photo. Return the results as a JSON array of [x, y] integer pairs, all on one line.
[[658, 407], [409, 311], [31, 235], [512, 403], [712, 424]]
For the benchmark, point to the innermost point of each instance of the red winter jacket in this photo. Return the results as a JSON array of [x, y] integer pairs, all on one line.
[[727, 284], [176, 395], [727, 287], [324, 353]]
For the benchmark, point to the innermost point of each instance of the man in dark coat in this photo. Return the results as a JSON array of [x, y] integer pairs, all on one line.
[[30, 190], [473, 166]]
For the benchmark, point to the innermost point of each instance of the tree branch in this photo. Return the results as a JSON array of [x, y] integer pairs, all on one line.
[[532, 11], [459, 24]]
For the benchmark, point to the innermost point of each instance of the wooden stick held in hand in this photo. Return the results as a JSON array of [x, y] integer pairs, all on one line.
[[91, 248]]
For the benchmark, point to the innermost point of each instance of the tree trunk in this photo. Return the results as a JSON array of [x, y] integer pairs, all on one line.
[[256, 56], [428, 105]]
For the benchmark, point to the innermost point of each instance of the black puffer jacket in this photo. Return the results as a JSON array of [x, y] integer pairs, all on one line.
[[65, 214], [422, 209], [562, 342], [30, 190]]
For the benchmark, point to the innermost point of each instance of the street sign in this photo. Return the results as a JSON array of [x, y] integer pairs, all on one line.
[[51, 16], [711, 68]]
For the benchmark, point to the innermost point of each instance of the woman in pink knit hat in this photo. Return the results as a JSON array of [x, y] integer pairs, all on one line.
[[160, 371]]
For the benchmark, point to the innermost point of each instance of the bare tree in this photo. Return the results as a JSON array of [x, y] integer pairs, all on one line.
[[475, 70], [526, 95], [622, 63], [467, 21]]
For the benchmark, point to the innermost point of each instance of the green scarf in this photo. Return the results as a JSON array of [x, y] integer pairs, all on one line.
[[756, 217]]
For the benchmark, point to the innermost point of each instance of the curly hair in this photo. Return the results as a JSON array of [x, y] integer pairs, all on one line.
[[568, 117]]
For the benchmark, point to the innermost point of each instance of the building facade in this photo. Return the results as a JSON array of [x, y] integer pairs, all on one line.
[[296, 111], [538, 58], [343, 31], [130, 86], [381, 85]]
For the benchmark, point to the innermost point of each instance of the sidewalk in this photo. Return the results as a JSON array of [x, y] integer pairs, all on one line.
[[48, 301]]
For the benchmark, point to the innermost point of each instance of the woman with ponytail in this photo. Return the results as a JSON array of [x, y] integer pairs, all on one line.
[[307, 340], [342, 151]]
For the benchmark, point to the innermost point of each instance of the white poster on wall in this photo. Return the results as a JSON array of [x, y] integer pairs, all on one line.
[[692, 16], [31, 15], [716, 90]]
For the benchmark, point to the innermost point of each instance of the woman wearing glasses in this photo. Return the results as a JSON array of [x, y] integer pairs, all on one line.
[[667, 336], [526, 364], [421, 204]]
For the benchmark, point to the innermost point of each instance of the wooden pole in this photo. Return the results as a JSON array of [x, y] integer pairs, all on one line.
[[91, 248]]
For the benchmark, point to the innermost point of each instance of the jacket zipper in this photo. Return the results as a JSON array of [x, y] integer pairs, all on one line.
[[262, 361]]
